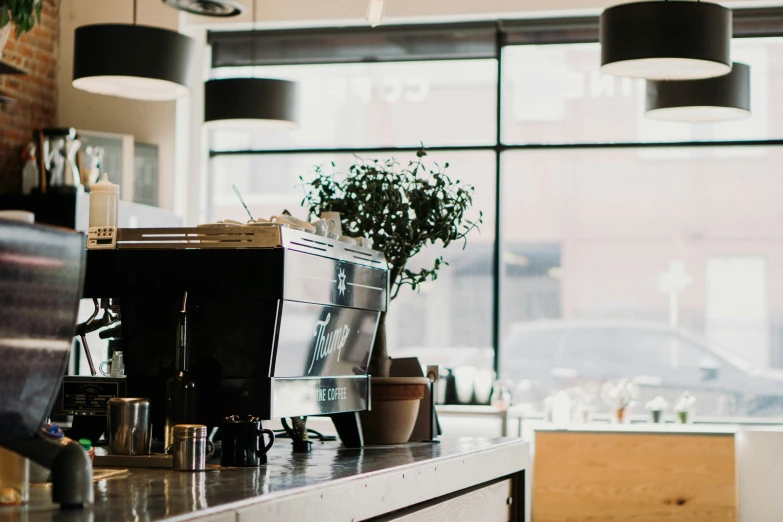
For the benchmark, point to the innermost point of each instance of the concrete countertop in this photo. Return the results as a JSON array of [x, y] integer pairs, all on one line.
[[330, 483]]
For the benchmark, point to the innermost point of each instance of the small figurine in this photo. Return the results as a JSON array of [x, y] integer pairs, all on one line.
[[30, 174]]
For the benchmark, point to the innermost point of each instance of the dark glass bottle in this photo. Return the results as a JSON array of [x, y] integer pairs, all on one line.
[[181, 388]]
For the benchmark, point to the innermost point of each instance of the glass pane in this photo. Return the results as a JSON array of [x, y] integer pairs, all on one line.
[[378, 105], [269, 183], [353, 44], [660, 265], [448, 321], [556, 94]]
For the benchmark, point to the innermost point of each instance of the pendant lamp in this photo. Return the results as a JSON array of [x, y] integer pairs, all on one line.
[[250, 104], [213, 8], [132, 61], [713, 99], [662, 40]]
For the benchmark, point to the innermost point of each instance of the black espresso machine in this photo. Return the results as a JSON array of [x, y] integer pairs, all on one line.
[[282, 320]]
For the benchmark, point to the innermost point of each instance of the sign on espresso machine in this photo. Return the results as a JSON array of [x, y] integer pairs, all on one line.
[[322, 358], [328, 322]]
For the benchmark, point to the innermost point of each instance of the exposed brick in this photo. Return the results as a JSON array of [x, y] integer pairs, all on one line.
[[35, 93], [44, 58]]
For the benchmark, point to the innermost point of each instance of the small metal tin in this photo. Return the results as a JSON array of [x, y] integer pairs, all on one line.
[[190, 447]]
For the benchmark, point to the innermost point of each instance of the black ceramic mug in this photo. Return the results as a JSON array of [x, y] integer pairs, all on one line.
[[243, 441]]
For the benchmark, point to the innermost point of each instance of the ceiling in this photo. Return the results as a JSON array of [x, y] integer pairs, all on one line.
[[274, 13]]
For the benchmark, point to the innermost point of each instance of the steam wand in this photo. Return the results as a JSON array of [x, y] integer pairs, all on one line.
[[91, 325]]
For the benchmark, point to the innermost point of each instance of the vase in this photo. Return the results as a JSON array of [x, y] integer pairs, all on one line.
[[619, 415], [394, 409], [584, 415], [465, 383], [656, 416], [683, 417]]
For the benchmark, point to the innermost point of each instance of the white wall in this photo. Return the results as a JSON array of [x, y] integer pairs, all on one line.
[[148, 122]]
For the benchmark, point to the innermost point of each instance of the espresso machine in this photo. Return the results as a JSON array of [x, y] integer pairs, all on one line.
[[282, 321]]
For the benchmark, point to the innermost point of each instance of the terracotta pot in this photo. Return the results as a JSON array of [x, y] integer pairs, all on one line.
[[395, 405]]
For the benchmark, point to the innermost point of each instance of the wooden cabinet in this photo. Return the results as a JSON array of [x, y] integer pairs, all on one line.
[[633, 477]]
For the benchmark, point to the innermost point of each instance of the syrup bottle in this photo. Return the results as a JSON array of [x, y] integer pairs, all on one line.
[[181, 388]]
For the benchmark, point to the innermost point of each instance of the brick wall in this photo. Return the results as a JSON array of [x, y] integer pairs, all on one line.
[[35, 93]]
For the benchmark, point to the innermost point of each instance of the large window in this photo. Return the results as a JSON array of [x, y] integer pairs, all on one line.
[[645, 262], [627, 247]]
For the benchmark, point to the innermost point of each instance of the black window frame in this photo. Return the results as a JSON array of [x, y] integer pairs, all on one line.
[[442, 42]]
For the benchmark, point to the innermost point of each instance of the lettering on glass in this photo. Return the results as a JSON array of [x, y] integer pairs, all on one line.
[[327, 342]]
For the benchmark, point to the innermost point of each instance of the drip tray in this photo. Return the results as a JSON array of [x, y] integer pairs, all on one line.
[[102, 459]]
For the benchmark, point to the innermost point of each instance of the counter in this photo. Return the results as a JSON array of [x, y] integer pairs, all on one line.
[[644, 428], [458, 479]]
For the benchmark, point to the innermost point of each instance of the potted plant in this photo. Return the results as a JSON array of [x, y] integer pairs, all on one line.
[[656, 408], [619, 395], [684, 407], [402, 209], [20, 13]]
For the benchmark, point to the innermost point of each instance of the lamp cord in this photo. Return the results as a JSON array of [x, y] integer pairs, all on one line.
[[252, 41], [134, 12]]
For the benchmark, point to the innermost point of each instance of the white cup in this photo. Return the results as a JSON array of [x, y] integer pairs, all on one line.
[[302, 223], [334, 216], [365, 242], [115, 367], [324, 227], [294, 222]]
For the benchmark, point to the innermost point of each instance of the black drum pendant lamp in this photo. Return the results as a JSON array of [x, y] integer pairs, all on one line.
[[662, 40], [713, 99], [132, 61], [250, 104]]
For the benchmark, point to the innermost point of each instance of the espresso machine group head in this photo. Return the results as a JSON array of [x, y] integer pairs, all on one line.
[[282, 321]]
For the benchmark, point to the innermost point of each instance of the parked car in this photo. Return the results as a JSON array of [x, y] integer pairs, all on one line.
[[555, 355]]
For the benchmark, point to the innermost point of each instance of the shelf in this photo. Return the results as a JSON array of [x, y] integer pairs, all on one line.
[[9, 69]]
